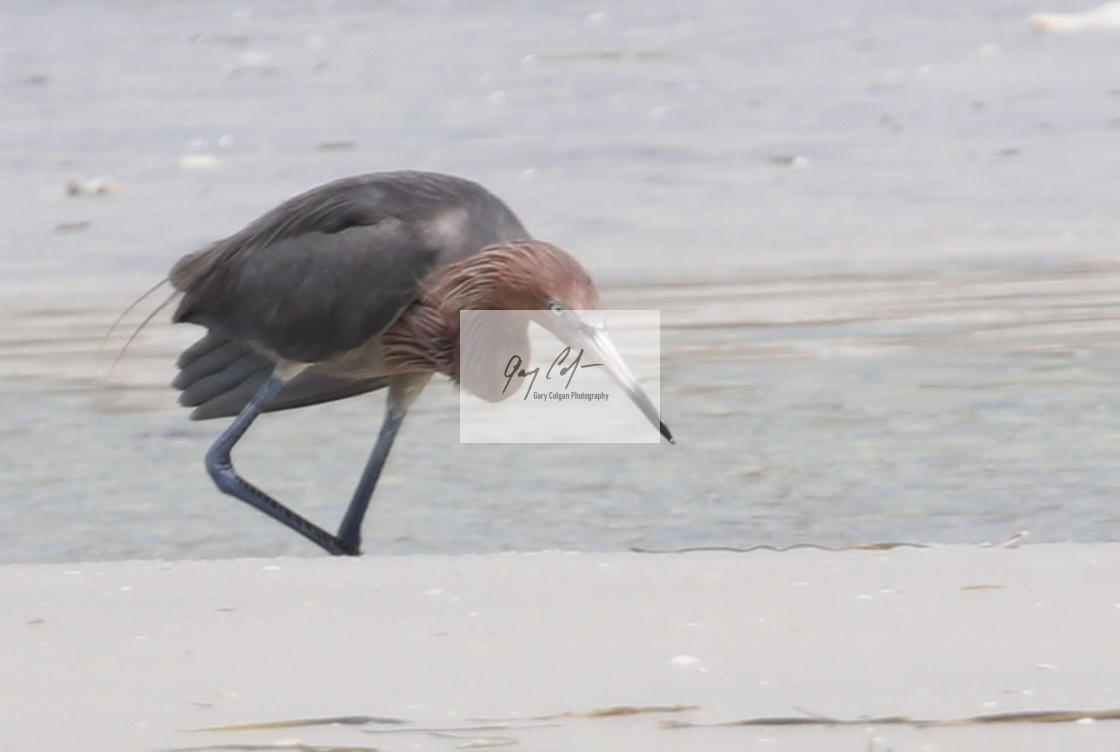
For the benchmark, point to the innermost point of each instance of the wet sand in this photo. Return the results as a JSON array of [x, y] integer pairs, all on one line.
[[960, 407], [529, 650], [881, 239]]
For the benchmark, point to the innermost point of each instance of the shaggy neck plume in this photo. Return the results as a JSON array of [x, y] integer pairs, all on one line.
[[515, 276]]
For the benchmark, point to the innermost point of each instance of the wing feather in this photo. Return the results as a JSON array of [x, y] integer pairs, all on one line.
[[218, 376], [328, 270]]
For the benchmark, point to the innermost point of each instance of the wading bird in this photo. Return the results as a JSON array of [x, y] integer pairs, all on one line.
[[355, 286]]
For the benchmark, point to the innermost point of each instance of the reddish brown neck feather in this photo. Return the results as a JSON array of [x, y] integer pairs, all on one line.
[[512, 276]]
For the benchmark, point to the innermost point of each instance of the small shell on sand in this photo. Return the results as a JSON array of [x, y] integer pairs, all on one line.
[[200, 162], [1105, 16], [97, 186]]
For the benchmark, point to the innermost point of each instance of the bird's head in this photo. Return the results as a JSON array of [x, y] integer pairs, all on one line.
[[531, 275], [557, 292]]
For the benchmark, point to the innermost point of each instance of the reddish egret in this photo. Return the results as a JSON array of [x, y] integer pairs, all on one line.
[[355, 286]]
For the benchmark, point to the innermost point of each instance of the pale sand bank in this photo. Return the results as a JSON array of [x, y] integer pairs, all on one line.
[[126, 656]]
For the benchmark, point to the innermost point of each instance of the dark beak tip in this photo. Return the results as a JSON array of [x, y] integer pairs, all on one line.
[[667, 434]]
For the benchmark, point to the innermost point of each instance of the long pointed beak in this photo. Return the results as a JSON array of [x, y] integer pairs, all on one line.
[[598, 348]]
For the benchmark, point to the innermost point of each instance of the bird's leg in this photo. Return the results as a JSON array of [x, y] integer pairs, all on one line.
[[403, 391], [220, 466], [350, 531]]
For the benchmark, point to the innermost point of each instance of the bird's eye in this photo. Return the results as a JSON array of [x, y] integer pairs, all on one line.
[[556, 308]]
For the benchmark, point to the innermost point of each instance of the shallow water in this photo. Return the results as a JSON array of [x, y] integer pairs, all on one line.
[[833, 410], [880, 239]]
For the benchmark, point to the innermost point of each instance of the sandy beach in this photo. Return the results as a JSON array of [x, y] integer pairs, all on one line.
[[564, 651], [882, 239]]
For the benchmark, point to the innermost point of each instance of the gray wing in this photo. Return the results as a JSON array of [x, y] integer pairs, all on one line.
[[218, 376], [321, 274], [328, 270]]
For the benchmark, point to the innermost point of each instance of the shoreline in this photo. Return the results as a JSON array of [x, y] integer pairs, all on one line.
[[565, 650]]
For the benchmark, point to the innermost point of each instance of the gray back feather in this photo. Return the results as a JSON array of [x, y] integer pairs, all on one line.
[[331, 268]]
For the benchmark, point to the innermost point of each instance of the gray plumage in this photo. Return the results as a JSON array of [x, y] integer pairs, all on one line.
[[321, 275], [357, 285]]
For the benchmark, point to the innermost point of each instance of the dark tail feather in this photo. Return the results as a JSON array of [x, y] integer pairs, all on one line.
[[218, 376]]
